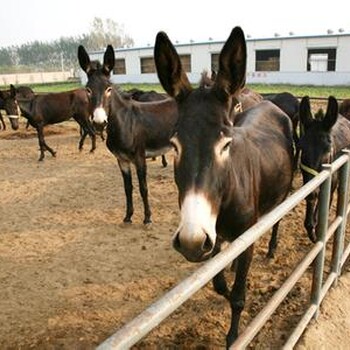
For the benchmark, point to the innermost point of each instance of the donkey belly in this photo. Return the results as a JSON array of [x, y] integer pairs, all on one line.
[[150, 153]]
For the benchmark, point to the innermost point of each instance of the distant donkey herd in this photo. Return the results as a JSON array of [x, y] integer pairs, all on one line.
[[235, 151]]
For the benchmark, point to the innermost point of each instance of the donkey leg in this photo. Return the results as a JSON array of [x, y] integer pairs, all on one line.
[[2, 121], [141, 170], [92, 135], [237, 295], [309, 222], [273, 241], [39, 129], [127, 179], [83, 134], [164, 162], [219, 281], [53, 153], [88, 129]]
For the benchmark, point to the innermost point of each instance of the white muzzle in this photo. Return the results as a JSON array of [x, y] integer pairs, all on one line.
[[99, 116]]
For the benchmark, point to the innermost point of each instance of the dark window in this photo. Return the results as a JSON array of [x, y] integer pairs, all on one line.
[[186, 63], [321, 60], [215, 62], [267, 60], [119, 67], [147, 65]]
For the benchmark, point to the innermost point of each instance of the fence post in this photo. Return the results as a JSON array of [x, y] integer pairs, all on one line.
[[342, 204], [321, 230]]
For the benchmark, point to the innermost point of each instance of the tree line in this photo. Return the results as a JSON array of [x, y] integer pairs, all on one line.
[[62, 53]]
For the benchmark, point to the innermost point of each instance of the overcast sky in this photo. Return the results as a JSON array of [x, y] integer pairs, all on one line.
[[24, 21]]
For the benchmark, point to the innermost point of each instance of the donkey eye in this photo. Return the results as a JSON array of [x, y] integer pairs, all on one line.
[[226, 146], [174, 147], [108, 90], [89, 92]]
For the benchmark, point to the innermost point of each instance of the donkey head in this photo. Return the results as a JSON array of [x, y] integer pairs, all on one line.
[[202, 140], [316, 143], [98, 86], [10, 105], [316, 149]]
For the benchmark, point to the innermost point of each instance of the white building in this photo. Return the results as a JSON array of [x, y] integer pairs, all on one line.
[[297, 60]]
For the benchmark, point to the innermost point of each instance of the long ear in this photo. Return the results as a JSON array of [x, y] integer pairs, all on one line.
[[108, 60], [170, 73], [331, 115], [305, 112], [12, 91], [232, 64], [84, 59]]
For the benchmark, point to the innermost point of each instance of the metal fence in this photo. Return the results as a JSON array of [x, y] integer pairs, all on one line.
[[132, 332]]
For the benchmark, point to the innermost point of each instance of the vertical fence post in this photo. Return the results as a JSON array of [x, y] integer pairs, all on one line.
[[322, 226], [343, 199]]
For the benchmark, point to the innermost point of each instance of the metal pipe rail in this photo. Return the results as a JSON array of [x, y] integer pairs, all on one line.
[[133, 331]]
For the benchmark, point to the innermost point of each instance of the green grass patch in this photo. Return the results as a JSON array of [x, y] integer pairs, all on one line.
[[339, 92], [303, 90], [56, 87]]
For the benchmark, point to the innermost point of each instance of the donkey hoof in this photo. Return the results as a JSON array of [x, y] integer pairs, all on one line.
[[270, 255], [147, 221], [312, 236], [127, 220]]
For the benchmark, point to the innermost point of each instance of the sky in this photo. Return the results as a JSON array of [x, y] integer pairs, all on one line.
[[23, 21]]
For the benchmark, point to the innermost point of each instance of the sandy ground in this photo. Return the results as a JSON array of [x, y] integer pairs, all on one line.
[[332, 327], [71, 273]]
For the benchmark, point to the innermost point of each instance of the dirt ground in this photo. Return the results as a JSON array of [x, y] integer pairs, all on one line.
[[71, 273]]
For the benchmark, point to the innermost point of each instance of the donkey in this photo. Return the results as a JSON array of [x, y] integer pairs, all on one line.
[[55, 108], [344, 108], [8, 103], [228, 172], [144, 96], [135, 130], [321, 142], [23, 93], [290, 105], [147, 96]]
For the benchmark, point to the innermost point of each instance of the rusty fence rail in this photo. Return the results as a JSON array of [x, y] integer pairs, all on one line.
[[150, 318]]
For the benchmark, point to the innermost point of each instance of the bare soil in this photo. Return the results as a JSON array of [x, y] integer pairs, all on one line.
[[71, 273]]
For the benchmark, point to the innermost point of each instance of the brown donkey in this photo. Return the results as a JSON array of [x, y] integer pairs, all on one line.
[[135, 130], [55, 108], [229, 171]]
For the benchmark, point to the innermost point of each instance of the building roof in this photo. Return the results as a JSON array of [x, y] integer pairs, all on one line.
[[221, 42]]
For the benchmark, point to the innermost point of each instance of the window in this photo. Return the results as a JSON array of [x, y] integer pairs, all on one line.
[[147, 65], [267, 60], [321, 60], [119, 67], [186, 62], [215, 62]]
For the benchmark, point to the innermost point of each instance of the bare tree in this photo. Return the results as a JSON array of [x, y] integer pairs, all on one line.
[[105, 32]]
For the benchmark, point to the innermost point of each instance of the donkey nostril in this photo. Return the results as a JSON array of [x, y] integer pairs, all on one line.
[[208, 244], [176, 241]]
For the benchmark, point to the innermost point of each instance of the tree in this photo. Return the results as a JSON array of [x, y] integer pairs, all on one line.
[[107, 32], [62, 53]]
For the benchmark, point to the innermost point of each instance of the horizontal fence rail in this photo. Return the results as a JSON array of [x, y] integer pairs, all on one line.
[[136, 329]]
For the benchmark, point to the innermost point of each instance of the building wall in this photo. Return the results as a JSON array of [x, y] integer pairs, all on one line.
[[35, 78], [293, 60]]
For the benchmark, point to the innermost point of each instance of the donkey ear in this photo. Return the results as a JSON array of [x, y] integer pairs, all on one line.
[[305, 112], [170, 73], [331, 115], [84, 59], [108, 60], [12, 91], [232, 64]]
